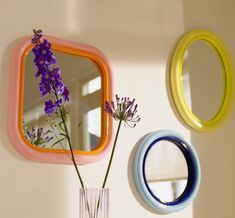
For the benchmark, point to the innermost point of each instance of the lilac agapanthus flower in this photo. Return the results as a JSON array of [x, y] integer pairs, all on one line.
[[124, 110], [51, 82]]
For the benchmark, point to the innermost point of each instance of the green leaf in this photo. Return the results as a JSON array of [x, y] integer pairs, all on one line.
[[66, 136], [60, 140], [61, 127]]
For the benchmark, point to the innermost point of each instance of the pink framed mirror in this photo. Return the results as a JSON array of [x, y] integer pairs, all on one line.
[[87, 73]]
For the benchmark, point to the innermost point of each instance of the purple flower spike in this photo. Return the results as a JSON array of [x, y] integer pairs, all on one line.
[[37, 36], [124, 110], [51, 82], [50, 107], [66, 94]]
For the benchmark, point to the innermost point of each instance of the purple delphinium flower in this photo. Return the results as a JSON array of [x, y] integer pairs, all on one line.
[[51, 86], [37, 36], [124, 110], [51, 82], [66, 94], [50, 107]]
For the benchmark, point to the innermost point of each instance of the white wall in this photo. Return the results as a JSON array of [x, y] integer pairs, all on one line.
[[216, 149], [138, 37]]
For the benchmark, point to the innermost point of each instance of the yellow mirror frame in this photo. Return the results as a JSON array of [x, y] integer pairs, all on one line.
[[176, 84]]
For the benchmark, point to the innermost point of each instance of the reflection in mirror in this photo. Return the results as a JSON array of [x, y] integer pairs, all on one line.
[[166, 171], [82, 77], [202, 80]]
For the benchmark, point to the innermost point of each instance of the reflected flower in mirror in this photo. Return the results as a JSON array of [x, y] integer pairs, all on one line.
[[39, 136]]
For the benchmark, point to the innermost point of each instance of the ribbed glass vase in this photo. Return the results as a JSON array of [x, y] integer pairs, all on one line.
[[94, 203]]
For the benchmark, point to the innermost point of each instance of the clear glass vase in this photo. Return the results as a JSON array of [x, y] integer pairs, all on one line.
[[94, 203]]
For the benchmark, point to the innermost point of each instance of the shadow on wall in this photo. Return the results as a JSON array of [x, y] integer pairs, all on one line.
[[216, 152], [123, 36], [215, 149]]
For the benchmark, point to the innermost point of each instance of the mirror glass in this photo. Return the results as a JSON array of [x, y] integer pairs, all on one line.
[[83, 79], [202, 80], [166, 171]]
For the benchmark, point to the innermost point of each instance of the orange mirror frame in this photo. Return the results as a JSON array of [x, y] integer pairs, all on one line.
[[15, 117]]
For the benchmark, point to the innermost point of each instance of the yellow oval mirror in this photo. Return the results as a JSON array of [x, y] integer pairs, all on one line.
[[201, 80]]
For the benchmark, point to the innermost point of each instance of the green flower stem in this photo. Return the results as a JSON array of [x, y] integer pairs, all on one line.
[[71, 149], [69, 142], [111, 157]]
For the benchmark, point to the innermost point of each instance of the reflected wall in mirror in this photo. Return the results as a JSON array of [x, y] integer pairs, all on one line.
[[87, 75], [82, 77], [202, 77], [166, 171], [201, 80]]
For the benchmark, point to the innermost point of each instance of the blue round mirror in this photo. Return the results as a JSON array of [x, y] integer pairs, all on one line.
[[166, 171]]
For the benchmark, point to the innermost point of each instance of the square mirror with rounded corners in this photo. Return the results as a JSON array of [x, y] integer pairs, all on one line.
[[87, 75]]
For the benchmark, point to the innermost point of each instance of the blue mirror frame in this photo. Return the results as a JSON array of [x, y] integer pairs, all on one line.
[[194, 171]]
